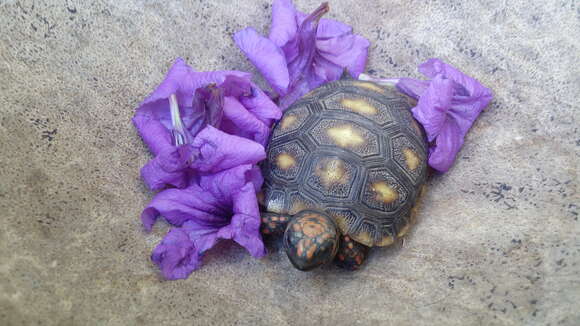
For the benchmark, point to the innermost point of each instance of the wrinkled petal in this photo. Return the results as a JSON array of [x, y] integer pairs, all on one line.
[[261, 106], [300, 89], [180, 205], [223, 186], [348, 51], [240, 122], [245, 225], [434, 67], [236, 87], [204, 237], [155, 135], [169, 168], [432, 107], [306, 36], [176, 255], [210, 101], [468, 90], [448, 144], [301, 68], [266, 57], [255, 177], [328, 28], [219, 151], [181, 80], [466, 110], [412, 87], [177, 81], [252, 98], [325, 71], [284, 24]]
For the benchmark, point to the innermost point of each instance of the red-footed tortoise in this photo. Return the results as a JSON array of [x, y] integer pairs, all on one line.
[[345, 168]]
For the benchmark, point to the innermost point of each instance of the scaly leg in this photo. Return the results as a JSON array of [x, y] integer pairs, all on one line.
[[351, 254], [273, 224]]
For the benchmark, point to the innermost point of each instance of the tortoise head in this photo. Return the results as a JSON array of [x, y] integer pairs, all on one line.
[[311, 239]]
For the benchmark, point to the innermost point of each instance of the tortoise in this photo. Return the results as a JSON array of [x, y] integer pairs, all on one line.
[[345, 168]]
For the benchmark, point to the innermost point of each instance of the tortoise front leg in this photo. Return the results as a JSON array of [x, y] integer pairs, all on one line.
[[351, 254], [273, 224]]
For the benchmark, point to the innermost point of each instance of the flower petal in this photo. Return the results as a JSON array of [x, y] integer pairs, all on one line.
[[266, 57], [261, 106], [448, 144], [326, 71], [219, 151], [204, 236], [210, 101], [301, 69], [169, 168], [306, 38], [182, 80], [236, 87], [328, 28], [466, 86], [176, 255], [412, 87], [284, 25], [182, 249], [153, 117], [432, 107], [255, 177], [240, 122], [237, 187], [180, 205], [245, 225], [177, 81], [224, 185], [154, 133], [447, 108], [348, 51]]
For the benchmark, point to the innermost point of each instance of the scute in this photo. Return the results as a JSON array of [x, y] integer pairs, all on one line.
[[292, 121], [364, 106], [332, 176], [382, 191], [346, 135], [356, 153], [286, 159], [408, 157]]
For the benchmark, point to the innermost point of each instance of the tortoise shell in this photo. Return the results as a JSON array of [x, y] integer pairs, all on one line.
[[353, 150]]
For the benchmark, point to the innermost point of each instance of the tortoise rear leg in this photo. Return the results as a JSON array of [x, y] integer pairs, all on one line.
[[351, 254], [273, 224]]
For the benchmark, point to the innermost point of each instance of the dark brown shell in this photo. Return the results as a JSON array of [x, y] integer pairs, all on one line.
[[353, 150]]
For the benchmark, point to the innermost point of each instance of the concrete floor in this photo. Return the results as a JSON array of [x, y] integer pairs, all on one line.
[[498, 238]]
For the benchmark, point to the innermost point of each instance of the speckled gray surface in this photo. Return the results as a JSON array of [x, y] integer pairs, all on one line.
[[498, 239]]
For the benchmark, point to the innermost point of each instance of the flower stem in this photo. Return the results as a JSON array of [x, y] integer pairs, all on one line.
[[380, 81], [178, 131]]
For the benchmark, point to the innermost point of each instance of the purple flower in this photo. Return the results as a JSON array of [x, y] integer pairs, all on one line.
[[303, 51], [207, 131], [447, 107], [184, 104], [217, 206]]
